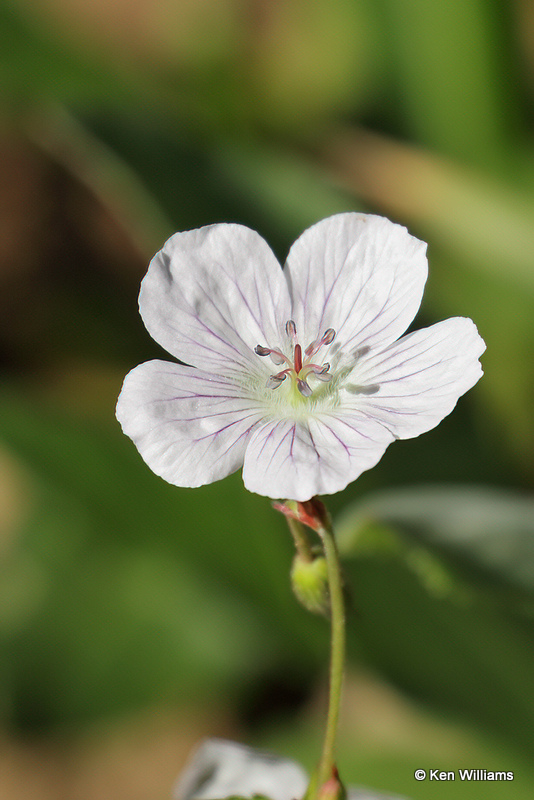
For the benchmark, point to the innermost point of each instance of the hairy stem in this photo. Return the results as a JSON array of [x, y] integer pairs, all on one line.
[[337, 652]]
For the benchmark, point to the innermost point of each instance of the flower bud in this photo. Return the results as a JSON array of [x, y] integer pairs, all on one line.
[[333, 789], [309, 580]]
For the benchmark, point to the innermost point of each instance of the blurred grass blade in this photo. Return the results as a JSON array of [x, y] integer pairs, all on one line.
[[485, 223], [99, 168], [287, 190], [453, 69]]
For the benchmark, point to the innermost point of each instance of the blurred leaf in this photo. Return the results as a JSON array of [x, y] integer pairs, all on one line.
[[116, 186], [217, 66], [285, 189], [303, 62], [35, 62], [452, 65], [426, 627], [489, 530], [503, 313]]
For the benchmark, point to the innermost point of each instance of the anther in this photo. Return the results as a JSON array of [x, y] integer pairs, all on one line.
[[291, 328], [303, 387], [300, 367], [323, 375], [275, 380], [312, 348], [276, 356], [328, 336]]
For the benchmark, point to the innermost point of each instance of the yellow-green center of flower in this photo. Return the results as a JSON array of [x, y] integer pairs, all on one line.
[[300, 365]]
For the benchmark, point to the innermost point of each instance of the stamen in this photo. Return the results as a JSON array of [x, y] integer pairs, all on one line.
[[323, 376], [299, 368], [303, 387], [312, 348], [274, 381], [321, 373], [291, 329], [278, 358], [328, 336]]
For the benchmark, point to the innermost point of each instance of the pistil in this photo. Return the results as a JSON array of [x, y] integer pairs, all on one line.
[[297, 357]]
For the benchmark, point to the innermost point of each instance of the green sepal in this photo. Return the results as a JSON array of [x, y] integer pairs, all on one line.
[[331, 789], [309, 580]]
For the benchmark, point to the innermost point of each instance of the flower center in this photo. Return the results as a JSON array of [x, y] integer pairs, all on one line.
[[300, 366]]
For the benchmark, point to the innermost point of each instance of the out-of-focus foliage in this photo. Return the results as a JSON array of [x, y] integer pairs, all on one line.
[[452, 571], [123, 121]]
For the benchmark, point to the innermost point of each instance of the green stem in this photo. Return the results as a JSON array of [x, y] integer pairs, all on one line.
[[337, 652]]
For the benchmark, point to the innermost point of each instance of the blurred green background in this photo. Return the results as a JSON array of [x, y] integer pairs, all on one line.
[[135, 616]]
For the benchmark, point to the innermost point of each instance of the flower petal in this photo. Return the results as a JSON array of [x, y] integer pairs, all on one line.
[[416, 382], [297, 460], [359, 274], [190, 427], [220, 769], [211, 295]]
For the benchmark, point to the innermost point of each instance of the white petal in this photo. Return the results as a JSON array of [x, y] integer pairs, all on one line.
[[359, 274], [211, 295], [189, 426], [297, 460], [220, 769], [416, 382]]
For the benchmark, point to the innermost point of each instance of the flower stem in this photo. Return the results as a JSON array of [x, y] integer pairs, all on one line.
[[313, 514], [337, 651]]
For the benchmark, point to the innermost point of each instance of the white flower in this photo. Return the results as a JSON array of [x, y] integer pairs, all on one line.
[[298, 374], [221, 769]]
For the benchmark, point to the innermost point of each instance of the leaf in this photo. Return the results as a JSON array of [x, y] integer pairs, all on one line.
[[488, 531], [463, 643]]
